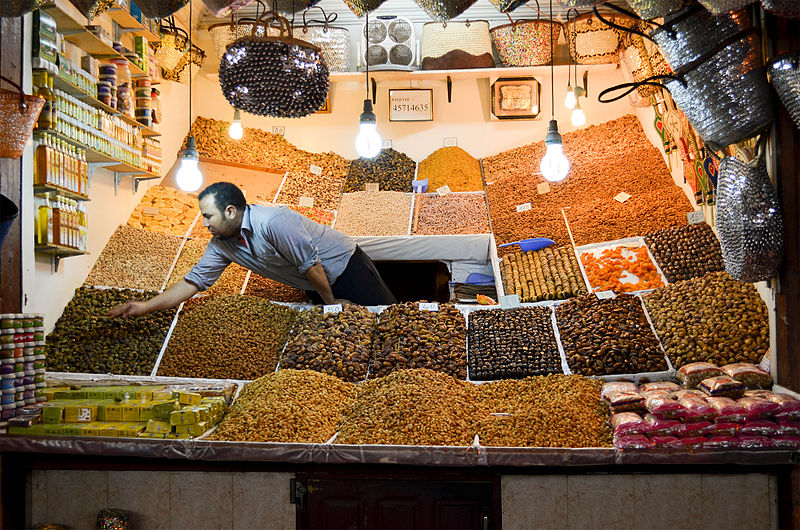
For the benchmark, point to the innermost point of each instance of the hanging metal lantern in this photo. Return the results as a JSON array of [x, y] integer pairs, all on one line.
[[160, 8], [17, 8], [784, 72], [92, 8], [173, 45], [280, 76]]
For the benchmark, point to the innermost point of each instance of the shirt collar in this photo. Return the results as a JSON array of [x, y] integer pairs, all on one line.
[[247, 227]]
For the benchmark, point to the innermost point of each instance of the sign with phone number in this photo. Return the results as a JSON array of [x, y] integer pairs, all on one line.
[[411, 104]]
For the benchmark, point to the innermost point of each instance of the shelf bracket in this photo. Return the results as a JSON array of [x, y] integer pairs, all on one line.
[[93, 166], [449, 89], [374, 88], [137, 180], [56, 262], [118, 176]]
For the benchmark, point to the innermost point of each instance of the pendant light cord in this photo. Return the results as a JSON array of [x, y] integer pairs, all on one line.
[[552, 67], [366, 51], [190, 67]]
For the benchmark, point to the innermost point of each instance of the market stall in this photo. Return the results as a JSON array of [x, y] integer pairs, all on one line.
[[619, 277]]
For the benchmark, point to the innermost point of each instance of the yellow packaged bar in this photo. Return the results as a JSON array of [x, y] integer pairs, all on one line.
[[130, 430], [175, 436], [162, 409], [109, 430], [189, 398], [91, 429], [73, 429], [162, 395], [80, 413], [145, 411], [112, 412], [52, 413], [130, 411], [184, 417], [192, 430], [158, 427], [54, 429], [150, 435]]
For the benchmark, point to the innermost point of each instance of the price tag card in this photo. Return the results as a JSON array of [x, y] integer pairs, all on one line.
[[315, 170], [622, 197], [509, 301], [387, 144], [307, 202], [605, 295], [151, 210], [543, 187], [372, 187], [84, 414], [333, 308], [444, 190], [429, 306], [696, 217], [524, 207]]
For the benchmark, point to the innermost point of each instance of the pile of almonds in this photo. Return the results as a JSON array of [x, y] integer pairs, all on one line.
[[606, 160]]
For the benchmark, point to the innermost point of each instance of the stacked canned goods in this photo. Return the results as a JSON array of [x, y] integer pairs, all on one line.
[[22, 362]]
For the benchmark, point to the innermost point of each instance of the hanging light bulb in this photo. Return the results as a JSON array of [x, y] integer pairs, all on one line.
[[554, 165], [570, 101], [578, 117], [368, 141], [189, 177], [236, 131]]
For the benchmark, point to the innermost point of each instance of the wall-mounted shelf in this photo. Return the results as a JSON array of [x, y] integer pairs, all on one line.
[[58, 252], [72, 90], [72, 25], [51, 188], [127, 23], [470, 73]]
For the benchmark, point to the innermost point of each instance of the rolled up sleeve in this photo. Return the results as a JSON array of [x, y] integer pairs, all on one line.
[[292, 241], [208, 269]]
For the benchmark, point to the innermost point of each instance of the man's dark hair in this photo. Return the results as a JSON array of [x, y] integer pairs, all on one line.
[[225, 193]]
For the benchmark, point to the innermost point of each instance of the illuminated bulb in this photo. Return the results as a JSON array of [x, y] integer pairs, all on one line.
[[189, 177], [236, 131], [554, 165], [570, 101], [578, 117], [368, 141]]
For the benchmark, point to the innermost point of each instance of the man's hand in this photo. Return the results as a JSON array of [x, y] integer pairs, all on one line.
[[128, 309], [342, 301]]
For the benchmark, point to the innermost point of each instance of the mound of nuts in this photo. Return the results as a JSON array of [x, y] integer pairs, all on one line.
[[605, 337], [289, 406], [325, 189], [391, 170], [547, 274], [713, 318], [383, 213], [338, 344], [165, 210], [408, 337], [262, 287], [512, 344], [606, 159], [453, 167], [544, 411], [227, 337], [191, 253], [134, 259], [230, 282], [85, 340], [412, 407], [455, 213], [686, 252]]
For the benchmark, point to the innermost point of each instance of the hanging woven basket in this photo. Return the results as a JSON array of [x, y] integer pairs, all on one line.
[[784, 72], [223, 35], [18, 115], [333, 41], [92, 8], [17, 8], [443, 10], [223, 8], [525, 42], [160, 8], [280, 76]]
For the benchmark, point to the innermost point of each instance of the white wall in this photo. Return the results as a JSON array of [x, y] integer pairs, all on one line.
[[466, 118]]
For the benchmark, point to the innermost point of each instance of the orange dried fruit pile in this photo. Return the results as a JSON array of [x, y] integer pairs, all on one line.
[[607, 271]]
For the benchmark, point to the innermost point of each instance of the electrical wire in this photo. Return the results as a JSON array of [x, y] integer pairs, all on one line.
[[366, 51], [552, 67], [190, 67]]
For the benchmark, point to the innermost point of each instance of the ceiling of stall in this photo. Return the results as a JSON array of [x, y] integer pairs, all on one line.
[[481, 10]]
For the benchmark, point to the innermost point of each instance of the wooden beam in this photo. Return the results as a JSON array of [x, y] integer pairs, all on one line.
[[11, 176]]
